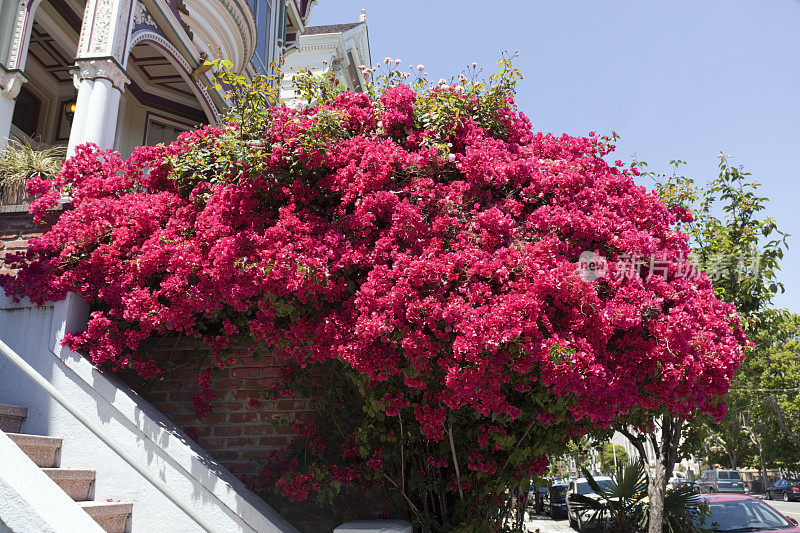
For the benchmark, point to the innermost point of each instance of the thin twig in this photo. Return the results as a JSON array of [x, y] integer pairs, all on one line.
[[402, 457], [410, 503], [527, 430], [455, 462]]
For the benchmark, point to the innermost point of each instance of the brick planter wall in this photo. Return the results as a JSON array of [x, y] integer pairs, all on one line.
[[234, 433], [16, 229]]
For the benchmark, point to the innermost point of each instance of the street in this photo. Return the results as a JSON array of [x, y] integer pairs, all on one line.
[[544, 524], [790, 509]]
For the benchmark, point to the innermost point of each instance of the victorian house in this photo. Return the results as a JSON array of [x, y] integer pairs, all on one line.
[[122, 73]]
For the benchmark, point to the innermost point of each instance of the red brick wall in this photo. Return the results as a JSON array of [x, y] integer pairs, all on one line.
[[16, 228], [234, 433]]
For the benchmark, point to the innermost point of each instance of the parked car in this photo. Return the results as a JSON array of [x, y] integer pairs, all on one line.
[[676, 482], [784, 489], [535, 502], [722, 481], [738, 512], [555, 501], [583, 520]]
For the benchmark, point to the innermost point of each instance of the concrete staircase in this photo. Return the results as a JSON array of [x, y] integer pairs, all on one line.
[[45, 452]]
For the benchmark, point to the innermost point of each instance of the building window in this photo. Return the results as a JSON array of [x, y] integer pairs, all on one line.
[[26, 112]]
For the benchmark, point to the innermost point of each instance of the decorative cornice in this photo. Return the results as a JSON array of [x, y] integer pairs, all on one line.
[[11, 82], [175, 57], [142, 17], [106, 68]]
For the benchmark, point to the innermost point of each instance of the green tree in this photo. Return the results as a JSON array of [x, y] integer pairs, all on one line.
[[740, 249], [578, 455], [608, 460], [776, 373]]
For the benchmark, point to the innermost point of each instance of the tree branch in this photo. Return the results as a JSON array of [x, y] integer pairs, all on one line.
[[637, 443], [773, 403], [455, 462], [410, 503]]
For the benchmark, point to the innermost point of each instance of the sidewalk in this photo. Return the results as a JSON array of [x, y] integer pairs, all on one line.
[[545, 524]]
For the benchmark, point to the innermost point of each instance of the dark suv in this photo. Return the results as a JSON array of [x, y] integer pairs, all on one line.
[[721, 481], [555, 500]]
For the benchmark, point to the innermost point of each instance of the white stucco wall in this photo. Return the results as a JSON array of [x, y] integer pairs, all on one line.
[[35, 333]]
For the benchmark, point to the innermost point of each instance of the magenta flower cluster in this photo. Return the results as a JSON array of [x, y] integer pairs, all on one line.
[[446, 275]]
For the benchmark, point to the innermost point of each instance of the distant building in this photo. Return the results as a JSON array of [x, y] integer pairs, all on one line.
[[340, 48]]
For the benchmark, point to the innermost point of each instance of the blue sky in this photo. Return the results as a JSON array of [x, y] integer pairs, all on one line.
[[677, 80]]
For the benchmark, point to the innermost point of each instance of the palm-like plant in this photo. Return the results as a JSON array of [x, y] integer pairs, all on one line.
[[623, 501], [20, 161], [620, 499], [685, 511]]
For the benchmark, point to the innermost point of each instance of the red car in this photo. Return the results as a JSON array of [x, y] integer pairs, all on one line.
[[740, 513]]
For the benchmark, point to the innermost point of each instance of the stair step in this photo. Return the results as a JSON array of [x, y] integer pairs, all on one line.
[[11, 417], [112, 516], [76, 483], [44, 451]]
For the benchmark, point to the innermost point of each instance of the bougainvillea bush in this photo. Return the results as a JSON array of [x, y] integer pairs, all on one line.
[[416, 253]]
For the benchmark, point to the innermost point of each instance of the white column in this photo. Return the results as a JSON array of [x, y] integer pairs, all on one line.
[[82, 107], [112, 104], [10, 84], [100, 83]]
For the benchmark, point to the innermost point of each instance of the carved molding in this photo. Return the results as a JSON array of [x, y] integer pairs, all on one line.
[[11, 83], [19, 34], [239, 14], [22, 26], [173, 54], [141, 17], [100, 68], [102, 25], [122, 33]]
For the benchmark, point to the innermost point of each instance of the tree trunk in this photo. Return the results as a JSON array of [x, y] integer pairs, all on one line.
[[732, 457], [665, 447], [756, 438], [763, 468], [656, 490]]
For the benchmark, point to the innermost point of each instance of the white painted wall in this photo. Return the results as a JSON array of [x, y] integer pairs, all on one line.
[[35, 333]]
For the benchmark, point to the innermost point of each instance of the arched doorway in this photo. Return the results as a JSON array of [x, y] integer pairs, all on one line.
[[162, 100]]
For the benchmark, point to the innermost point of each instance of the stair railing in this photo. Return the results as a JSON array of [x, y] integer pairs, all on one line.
[[95, 428]]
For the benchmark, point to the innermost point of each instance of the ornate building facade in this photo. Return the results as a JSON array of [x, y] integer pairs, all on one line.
[[121, 73]]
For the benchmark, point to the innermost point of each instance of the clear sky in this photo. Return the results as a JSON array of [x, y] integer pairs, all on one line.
[[677, 79]]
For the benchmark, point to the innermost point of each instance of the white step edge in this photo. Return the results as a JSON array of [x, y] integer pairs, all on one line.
[[145, 432], [375, 526], [32, 502]]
